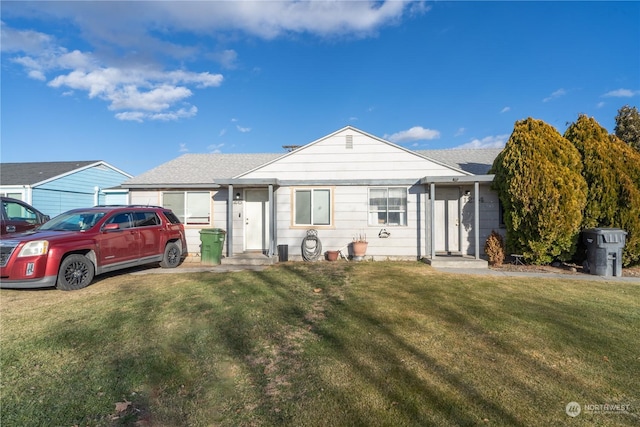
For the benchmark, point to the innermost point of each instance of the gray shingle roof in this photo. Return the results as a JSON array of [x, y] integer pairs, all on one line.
[[476, 161], [201, 168], [33, 173], [195, 169]]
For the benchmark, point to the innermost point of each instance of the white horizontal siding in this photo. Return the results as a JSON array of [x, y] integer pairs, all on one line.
[[369, 158], [350, 216]]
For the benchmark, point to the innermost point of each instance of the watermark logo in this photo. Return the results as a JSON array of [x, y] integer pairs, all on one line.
[[573, 409]]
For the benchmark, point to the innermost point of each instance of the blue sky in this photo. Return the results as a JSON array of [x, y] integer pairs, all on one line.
[[140, 83]]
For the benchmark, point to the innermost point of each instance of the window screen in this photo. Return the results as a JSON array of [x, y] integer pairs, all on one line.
[[388, 206], [313, 207], [190, 207]]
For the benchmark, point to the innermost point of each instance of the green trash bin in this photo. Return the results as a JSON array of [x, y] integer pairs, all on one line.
[[212, 241]]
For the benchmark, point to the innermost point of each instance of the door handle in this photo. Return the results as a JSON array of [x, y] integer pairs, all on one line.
[[11, 228]]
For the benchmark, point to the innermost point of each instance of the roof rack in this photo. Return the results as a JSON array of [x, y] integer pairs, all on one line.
[[128, 206]]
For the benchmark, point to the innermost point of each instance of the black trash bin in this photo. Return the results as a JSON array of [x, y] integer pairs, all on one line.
[[212, 241], [283, 253], [604, 250]]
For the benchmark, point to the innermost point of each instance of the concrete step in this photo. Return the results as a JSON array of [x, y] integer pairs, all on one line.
[[457, 262], [249, 258]]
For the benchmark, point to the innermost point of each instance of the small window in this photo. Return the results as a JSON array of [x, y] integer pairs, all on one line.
[[388, 206], [191, 207], [312, 206]]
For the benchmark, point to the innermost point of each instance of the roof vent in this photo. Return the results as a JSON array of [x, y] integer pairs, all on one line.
[[349, 142]]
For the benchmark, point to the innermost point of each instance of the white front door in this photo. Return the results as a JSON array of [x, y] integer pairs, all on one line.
[[256, 220], [447, 220]]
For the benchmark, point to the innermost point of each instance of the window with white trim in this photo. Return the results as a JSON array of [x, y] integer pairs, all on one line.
[[192, 207], [312, 206], [388, 206]]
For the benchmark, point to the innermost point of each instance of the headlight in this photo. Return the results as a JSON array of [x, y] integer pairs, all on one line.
[[37, 247]]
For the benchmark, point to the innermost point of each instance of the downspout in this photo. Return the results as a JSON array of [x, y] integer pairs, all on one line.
[[230, 221], [96, 196]]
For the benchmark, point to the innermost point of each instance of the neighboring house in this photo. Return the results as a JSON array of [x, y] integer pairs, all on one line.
[[410, 204], [56, 187]]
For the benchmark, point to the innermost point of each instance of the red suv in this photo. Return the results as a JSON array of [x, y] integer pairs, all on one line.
[[72, 248]]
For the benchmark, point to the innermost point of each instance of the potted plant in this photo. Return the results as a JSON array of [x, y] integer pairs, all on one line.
[[359, 246], [332, 255]]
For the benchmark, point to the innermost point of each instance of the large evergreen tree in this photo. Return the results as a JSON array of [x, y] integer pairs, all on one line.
[[628, 126], [611, 169], [598, 170], [539, 182]]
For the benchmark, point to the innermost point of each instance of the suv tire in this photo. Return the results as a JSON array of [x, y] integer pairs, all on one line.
[[172, 256], [76, 272]]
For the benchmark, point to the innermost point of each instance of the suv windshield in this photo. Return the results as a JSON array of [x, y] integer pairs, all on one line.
[[73, 221]]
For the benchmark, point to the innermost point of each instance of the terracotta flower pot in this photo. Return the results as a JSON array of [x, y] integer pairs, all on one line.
[[332, 255], [359, 248]]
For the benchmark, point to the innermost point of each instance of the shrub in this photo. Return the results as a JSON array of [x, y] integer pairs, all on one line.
[[539, 182], [611, 170], [494, 248]]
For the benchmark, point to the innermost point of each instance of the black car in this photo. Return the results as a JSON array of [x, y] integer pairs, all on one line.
[[17, 216]]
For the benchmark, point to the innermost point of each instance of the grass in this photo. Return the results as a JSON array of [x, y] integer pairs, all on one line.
[[320, 344]]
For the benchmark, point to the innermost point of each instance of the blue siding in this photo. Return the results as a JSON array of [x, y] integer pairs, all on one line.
[[75, 190]]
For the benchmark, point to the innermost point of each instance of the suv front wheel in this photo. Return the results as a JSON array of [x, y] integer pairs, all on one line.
[[172, 256], [76, 272]]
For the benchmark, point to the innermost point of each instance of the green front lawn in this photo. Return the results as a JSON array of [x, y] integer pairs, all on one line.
[[321, 344]]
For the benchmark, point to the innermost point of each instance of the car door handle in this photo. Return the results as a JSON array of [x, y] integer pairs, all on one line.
[[11, 228]]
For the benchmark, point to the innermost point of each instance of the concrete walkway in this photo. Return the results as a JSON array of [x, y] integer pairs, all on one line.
[[578, 276]]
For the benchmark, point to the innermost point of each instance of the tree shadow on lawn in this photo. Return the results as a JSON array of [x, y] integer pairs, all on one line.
[[421, 387], [310, 345]]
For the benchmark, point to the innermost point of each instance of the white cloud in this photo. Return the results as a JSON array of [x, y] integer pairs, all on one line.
[[157, 99], [497, 141], [505, 110], [227, 58], [23, 40], [37, 75], [243, 129], [600, 104], [143, 92], [137, 86], [622, 93], [557, 94], [182, 113], [459, 132], [416, 133], [134, 116], [270, 19], [215, 148], [140, 116], [183, 148]]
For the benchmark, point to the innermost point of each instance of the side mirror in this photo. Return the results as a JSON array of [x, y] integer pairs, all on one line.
[[111, 227]]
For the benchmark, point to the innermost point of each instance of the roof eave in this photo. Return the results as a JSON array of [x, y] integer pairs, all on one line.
[[465, 179]]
